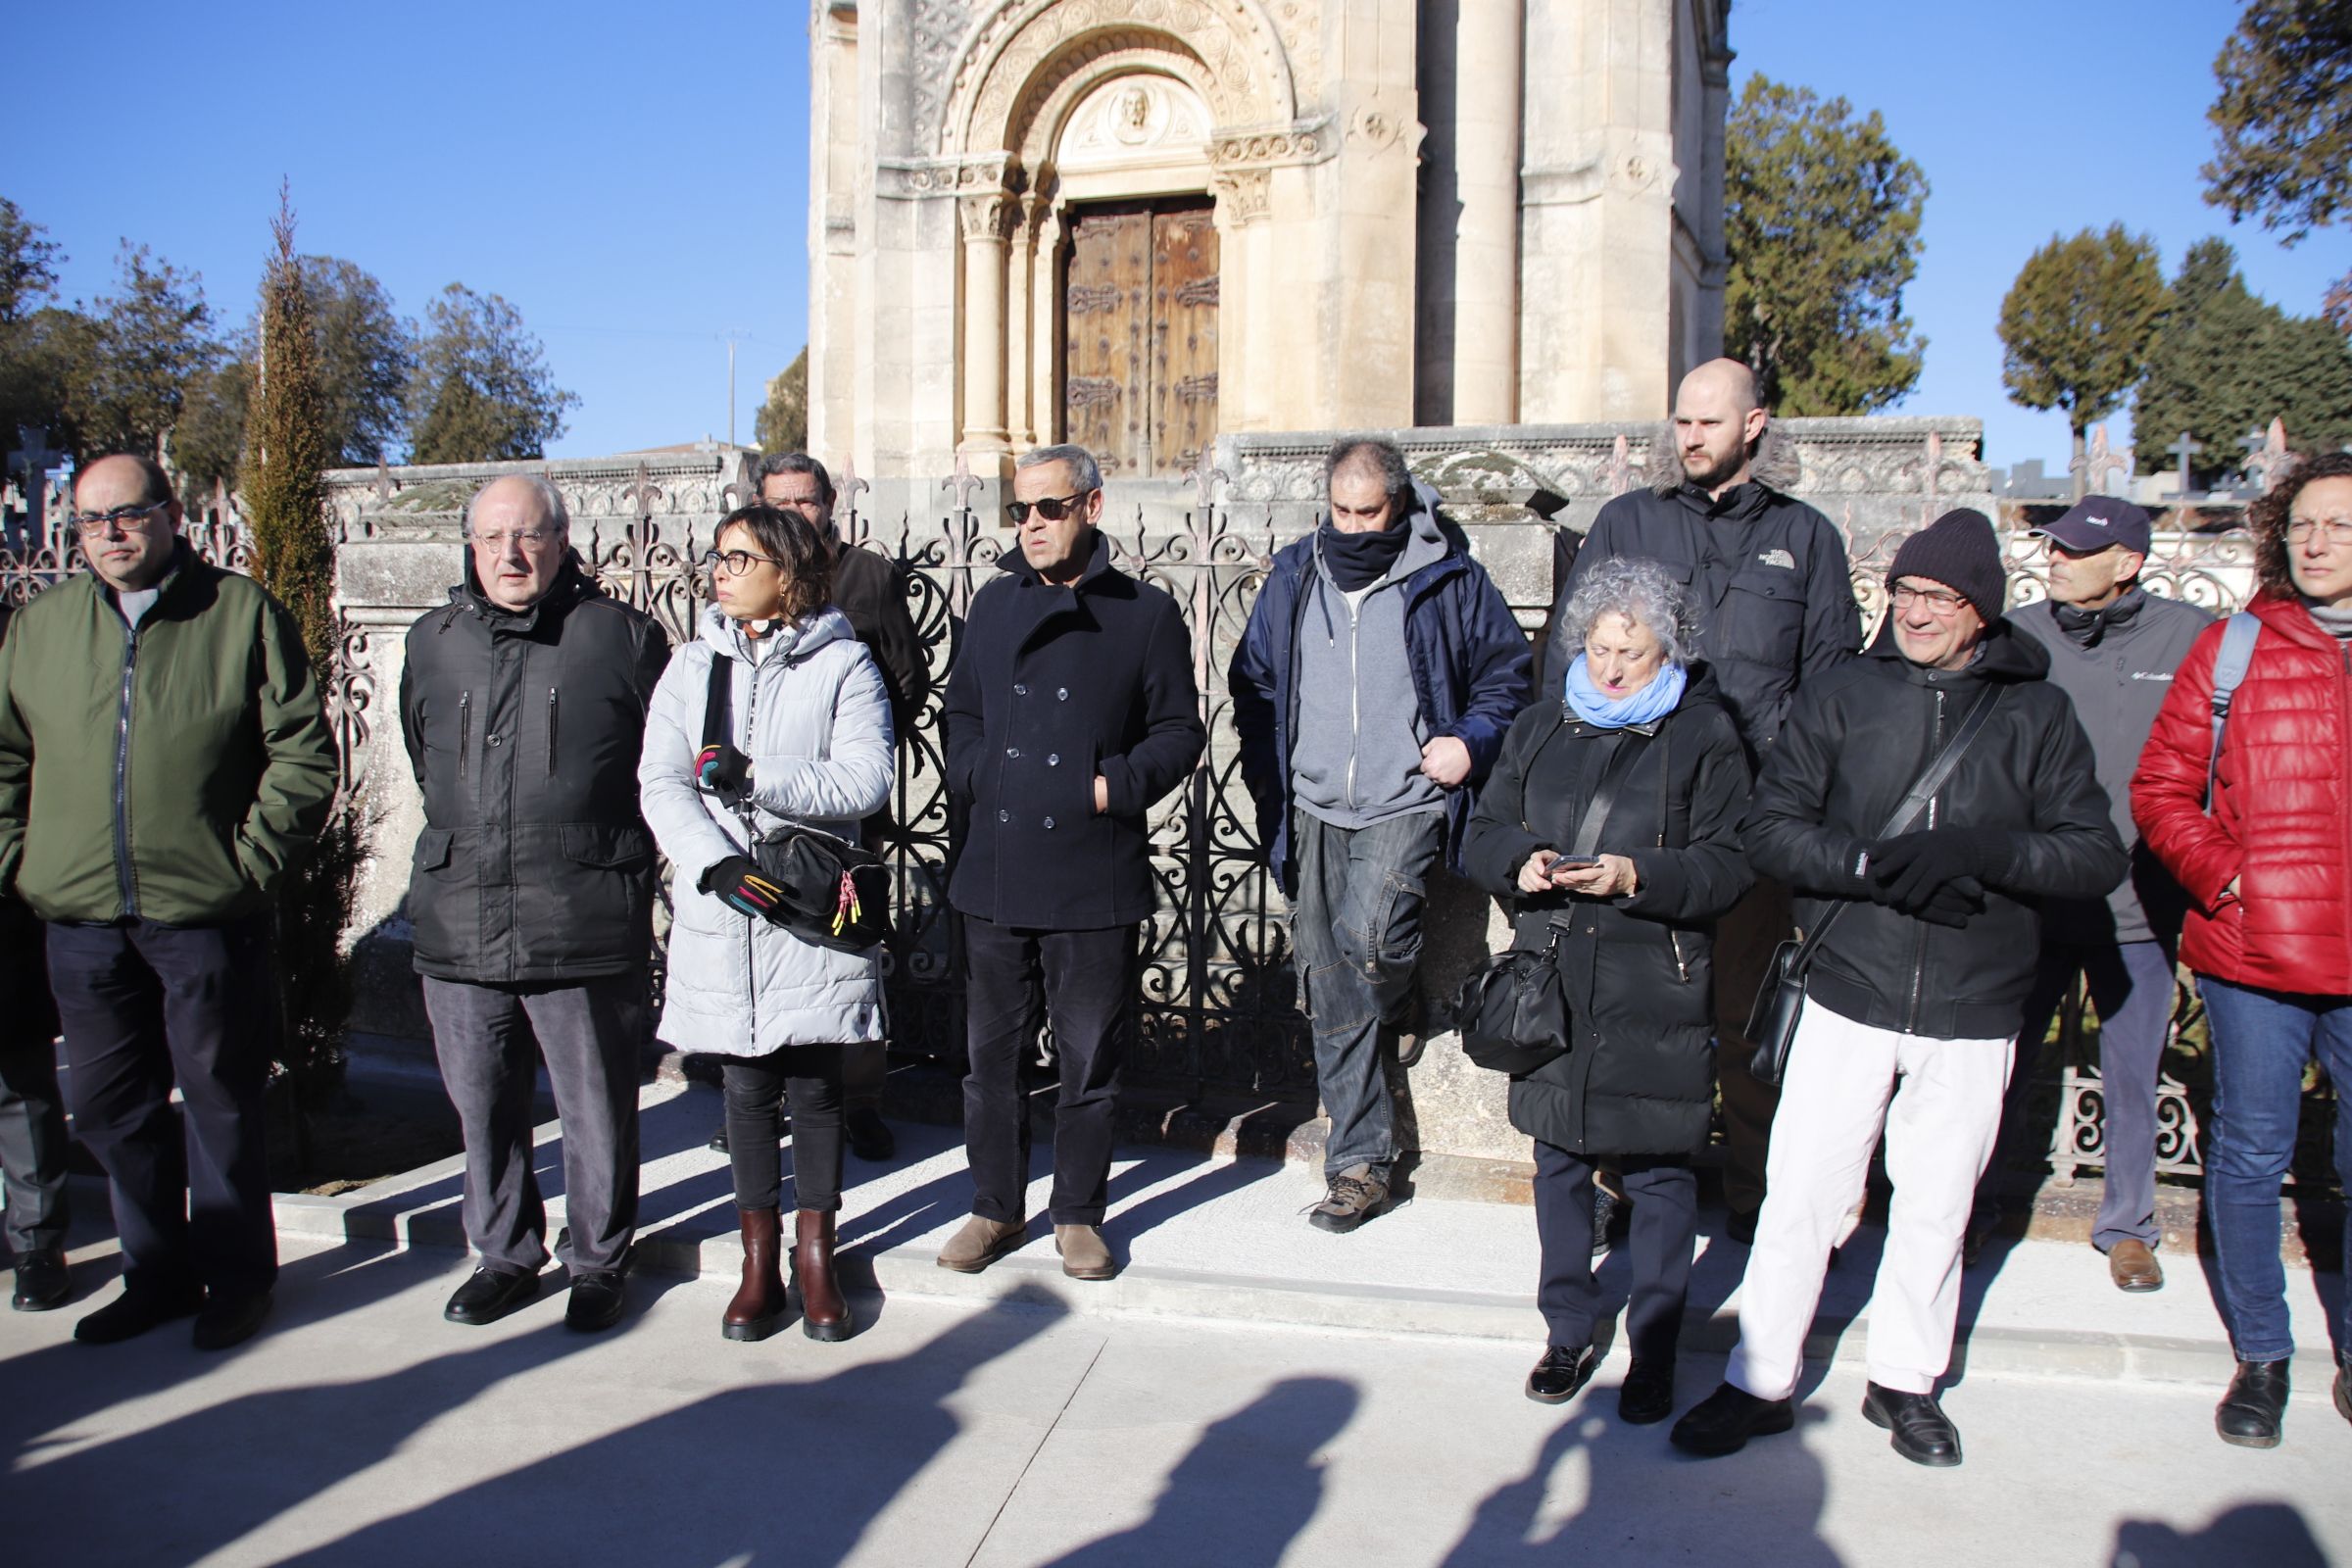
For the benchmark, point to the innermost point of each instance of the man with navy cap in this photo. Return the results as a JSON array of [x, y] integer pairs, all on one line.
[[2113, 647]]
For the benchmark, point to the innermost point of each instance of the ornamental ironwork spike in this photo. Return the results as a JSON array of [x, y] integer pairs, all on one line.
[[744, 488], [1621, 464], [1205, 476], [2271, 464], [2095, 464], [645, 493], [963, 483]]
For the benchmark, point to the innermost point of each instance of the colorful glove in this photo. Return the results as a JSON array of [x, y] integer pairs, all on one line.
[[722, 768], [737, 883]]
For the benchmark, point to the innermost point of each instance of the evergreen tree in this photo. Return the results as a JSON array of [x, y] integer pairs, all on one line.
[[155, 340], [2076, 325], [28, 265], [284, 494], [482, 391], [1821, 219], [2283, 125], [783, 422]]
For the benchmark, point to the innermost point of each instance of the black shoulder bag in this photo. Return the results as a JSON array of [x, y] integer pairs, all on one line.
[[1513, 1009], [1772, 1020], [835, 894]]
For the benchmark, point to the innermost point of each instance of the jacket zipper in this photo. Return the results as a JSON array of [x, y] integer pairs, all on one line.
[[751, 832], [465, 729], [1919, 950], [1682, 970], [124, 879], [551, 732], [1355, 699]]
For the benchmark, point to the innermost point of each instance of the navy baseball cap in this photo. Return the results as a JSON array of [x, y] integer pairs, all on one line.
[[2092, 526]]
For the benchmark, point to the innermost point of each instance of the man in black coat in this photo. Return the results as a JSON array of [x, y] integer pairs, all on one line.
[[522, 704], [2113, 647], [32, 1114], [1774, 596], [1914, 996], [1072, 709], [872, 592]]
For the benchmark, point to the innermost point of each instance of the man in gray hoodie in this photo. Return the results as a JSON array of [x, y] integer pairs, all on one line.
[[1371, 692]]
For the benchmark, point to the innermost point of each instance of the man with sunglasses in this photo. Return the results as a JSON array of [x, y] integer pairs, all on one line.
[[2113, 649], [1914, 996], [1070, 712], [522, 705], [1378, 674], [164, 759]]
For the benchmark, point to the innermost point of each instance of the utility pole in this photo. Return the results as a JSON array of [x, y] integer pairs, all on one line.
[[730, 389]]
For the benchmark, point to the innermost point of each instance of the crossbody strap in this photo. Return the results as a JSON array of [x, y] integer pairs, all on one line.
[[1907, 810], [717, 718]]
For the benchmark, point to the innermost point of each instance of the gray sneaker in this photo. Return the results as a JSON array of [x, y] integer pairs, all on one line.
[[1353, 1196]]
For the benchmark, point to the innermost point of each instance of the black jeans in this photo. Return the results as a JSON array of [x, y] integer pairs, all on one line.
[[1083, 981], [147, 1006], [755, 1087], [1665, 1229]]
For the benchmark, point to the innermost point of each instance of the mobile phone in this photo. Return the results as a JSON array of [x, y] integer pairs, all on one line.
[[1572, 863]]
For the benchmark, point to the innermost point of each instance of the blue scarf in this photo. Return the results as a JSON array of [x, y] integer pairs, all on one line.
[[1647, 706]]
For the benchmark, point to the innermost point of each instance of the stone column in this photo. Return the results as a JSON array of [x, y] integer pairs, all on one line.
[[988, 221], [1485, 150], [1027, 320], [1244, 293]]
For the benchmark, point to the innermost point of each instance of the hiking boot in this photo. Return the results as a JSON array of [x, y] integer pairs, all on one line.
[[1083, 1255], [980, 1242], [1351, 1198]]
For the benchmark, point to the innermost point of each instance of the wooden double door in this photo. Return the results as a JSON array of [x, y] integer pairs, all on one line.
[[1138, 335]]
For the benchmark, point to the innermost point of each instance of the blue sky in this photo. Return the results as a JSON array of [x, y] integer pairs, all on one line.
[[634, 177]]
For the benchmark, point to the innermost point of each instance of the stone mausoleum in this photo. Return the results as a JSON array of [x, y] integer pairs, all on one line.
[[1143, 223]]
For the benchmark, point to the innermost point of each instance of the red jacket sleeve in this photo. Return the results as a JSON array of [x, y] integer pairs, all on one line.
[[2168, 792]]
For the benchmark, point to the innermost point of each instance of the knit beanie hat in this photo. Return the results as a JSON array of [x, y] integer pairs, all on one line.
[[1959, 551]]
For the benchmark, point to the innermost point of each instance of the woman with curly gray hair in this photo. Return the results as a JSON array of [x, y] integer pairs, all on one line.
[[1610, 824]]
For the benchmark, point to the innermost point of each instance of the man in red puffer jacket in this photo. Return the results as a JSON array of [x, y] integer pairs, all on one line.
[[2269, 871]]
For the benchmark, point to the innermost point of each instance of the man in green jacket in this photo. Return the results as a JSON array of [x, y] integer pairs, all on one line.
[[163, 758]]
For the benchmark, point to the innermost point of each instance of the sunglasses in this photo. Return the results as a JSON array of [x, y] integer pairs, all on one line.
[[1051, 507]]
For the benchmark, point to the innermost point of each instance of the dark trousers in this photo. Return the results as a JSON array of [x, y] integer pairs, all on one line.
[[2132, 989], [755, 1087], [1356, 939], [1746, 940], [2262, 1041], [1664, 1231], [1083, 982], [32, 1118], [590, 1033], [146, 1006]]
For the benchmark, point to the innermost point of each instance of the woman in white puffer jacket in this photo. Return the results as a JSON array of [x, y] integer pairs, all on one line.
[[808, 742]]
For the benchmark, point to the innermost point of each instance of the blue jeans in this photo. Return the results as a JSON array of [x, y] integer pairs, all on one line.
[[1356, 937], [2262, 1041]]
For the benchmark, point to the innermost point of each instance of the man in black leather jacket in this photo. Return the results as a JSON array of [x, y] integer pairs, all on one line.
[[1915, 995], [523, 702]]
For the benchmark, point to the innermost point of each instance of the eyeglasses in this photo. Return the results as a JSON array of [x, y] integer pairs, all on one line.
[[1051, 507], [735, 562], [1942, 603], [128, 519], [2336, 530], [529, 538]]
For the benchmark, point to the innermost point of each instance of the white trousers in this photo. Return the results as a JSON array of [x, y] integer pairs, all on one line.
[[1940, 1105]]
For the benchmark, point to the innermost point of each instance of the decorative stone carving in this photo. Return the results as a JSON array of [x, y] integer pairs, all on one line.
[[938, 27], [1243, 195], [1306, 141], [1134, 120]]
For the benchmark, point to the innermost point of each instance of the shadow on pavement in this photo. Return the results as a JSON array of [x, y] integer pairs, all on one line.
[[2271, 1533]]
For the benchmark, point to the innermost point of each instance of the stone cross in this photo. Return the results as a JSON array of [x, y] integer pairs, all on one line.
[[33, 459], [2090, 469], [2184, 449]]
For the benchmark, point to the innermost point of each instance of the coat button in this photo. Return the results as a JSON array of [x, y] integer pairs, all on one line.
[[1063, 695], [1019, 690], [1003, 817], [1048, 822], [1013, 751], [494, 740], [1052, 758]]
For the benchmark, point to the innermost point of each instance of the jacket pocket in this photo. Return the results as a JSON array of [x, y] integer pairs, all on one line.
[[434, 848], [1763, 618], [623, 848]]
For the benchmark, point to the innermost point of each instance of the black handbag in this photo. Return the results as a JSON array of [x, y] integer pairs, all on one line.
[[833, 892], [1780, 999], [1512, 1010]]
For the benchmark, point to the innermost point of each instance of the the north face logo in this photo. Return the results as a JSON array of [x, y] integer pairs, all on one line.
[[1778, 558]]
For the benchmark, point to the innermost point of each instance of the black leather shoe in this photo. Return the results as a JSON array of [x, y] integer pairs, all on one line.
[[870, 1138], [718, 1140], [137, 1310], [596, 1301], [1923, 1433], [1740, 1225], [1724, 1421], [1560, 1373], [42, 1281], [1647, 1396], [489, 1294], [231, 1320], [2251, 1413]]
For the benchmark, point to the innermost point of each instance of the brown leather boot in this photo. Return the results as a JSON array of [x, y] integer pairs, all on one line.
[[824, 1312], [759, 1302]]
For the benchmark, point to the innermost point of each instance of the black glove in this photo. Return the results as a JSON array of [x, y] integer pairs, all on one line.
[[1910, 868], [737, 883], [721, 768], [1954, 903]]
